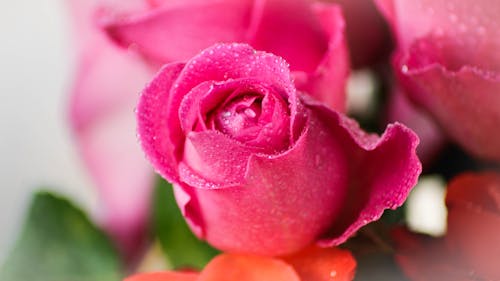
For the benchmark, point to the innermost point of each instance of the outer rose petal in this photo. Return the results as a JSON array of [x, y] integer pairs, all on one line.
[[465, 103], [101, 115], [231, 267], [328, 81], [164, 276], [477, 23], [176, 31], [448, 62], [389, 165], [310, 38], [317, 264]]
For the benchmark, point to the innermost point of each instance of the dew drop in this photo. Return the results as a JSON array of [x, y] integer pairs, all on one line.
[[404, 68], [250, 113]]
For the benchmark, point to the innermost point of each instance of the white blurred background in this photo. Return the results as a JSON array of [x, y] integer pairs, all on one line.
[[36, 149]]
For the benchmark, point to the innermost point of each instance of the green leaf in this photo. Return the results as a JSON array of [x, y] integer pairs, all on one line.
[[178, 242], [59, 243]]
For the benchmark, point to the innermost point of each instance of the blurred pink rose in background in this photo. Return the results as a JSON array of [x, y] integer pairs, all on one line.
[[261, 168], [105, 92], [471, 247], [448, 62]]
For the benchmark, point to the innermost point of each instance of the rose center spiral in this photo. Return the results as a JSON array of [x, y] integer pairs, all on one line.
[[240, 116]]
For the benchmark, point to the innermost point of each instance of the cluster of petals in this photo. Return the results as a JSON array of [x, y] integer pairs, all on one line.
[[311, 264], [121, 45], [471, 246], [259, 167], [447, 60]]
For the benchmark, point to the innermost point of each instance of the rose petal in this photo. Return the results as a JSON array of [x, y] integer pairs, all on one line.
[[464, 102], [282, 193], [318, 264], [290, 29], [476, 22], [230, 267], [216, 158], [179, 30], [152, 115], [328, 80], [164, 276], [389, 166]]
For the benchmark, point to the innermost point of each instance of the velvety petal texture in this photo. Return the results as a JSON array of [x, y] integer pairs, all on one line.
[[311, 264], [101, 114], [470, 249], [309, 35], [448, 63], [258, 167]]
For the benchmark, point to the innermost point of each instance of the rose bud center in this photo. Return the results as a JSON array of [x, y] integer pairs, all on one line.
[[256, 117]]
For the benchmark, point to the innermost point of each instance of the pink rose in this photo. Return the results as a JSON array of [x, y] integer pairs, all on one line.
[[448, 61], [108, 78], [308, 34], [259, 167]]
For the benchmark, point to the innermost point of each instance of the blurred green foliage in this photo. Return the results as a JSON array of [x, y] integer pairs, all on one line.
[[59, 243], [179, 244]]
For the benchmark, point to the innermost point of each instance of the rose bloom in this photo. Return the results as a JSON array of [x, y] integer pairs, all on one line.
[[471, 248], [448, 61], [309, 35], [311, 264], [259, 167]]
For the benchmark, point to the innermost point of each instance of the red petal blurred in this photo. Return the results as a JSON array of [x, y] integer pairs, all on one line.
[[232, 267], [474, 221], [164, 276], [323, 264]]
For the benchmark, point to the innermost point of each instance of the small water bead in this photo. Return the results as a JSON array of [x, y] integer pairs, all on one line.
[[250, 113], [404, 68]]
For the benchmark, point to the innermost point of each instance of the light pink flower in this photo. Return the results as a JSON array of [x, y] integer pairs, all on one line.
[[260, 168], [308, 34], [104, 94], [448, 61]]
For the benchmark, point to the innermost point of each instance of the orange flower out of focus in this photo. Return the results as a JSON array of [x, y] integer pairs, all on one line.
[[311, 264], [471, 248]]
